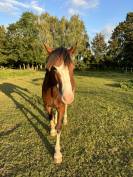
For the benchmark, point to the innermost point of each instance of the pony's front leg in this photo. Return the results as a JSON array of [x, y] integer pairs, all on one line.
[[56, 116], [53, 131], [58, 155], [53, 123], [65, 116]]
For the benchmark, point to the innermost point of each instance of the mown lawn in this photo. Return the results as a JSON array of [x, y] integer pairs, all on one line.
[[96, 142]]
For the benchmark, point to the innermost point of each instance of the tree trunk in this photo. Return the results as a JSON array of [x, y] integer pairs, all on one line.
[[28, 66], [32, 67], [37, 67]]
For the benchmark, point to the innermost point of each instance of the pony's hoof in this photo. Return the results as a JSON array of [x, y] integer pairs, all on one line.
[[53, 133], [57, 158]]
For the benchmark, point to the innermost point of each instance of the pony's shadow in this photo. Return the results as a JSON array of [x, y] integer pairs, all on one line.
[[37, 81], [8, 89]]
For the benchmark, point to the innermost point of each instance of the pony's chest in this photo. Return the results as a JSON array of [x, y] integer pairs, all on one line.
[[51, 97]]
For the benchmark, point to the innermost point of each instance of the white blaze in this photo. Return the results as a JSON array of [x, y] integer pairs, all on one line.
[[66, 83]]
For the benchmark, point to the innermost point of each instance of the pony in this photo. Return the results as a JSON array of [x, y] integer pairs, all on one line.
[[58, 91]]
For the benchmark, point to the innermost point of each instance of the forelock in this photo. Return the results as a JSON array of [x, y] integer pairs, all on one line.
[[57, 57]]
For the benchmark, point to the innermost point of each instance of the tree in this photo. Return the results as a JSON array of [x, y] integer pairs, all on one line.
[[127, 53], [32, 47], [25, 38], [2, 45], [99, 47], [23, 44], [76, 33], [121, 43], [47, 29], [65, 33]]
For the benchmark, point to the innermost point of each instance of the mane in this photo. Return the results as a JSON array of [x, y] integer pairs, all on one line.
[[57, 56]]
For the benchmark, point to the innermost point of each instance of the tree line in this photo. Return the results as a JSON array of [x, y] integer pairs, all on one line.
[[21, 43]]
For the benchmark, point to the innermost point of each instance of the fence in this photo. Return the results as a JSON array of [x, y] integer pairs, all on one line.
[[24, 66], [92, 67]]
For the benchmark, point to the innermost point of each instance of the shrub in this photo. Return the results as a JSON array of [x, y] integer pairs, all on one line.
[[126, 84]]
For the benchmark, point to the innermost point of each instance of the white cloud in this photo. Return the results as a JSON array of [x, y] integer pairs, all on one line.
[[79, 2], [93, 3], [85, 3], [15, 6], [78, 6], [16, 3], [107, 31], [72, 11], [36, 7], [7, 7]]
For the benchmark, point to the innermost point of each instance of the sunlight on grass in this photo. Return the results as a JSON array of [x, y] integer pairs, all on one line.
[[96, 142]]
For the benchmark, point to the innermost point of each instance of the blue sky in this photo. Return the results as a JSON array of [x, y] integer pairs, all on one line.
[[98, 15]]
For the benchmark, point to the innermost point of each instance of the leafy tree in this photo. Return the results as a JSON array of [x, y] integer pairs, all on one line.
[[2, 45], [46, 29], [76, 33], [13, 44], [65, 33], [23, 41], [25, 38], [121, 43], [127, 53], [99, 47]]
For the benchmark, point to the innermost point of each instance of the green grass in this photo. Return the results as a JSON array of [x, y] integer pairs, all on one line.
[[6, 73], [96, 142]]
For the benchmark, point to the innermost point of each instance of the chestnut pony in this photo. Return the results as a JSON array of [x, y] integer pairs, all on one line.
[[58, 90]]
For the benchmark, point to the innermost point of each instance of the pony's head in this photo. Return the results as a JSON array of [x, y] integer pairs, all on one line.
[[59, 61]]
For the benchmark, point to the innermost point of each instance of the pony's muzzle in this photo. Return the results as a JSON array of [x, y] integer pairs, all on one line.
[[68, 98]]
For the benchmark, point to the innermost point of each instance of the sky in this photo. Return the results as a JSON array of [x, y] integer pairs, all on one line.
[[98, 15]]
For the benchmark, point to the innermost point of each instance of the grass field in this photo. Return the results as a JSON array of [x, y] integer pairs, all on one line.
[[96, 142]]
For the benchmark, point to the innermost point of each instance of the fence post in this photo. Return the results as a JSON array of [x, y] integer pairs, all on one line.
[[23, 66], [37, 67], [32, 67], [41, 66], [28, 66]]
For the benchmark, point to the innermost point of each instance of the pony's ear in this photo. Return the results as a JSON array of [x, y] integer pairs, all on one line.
[[48, 49], [72, 49]]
